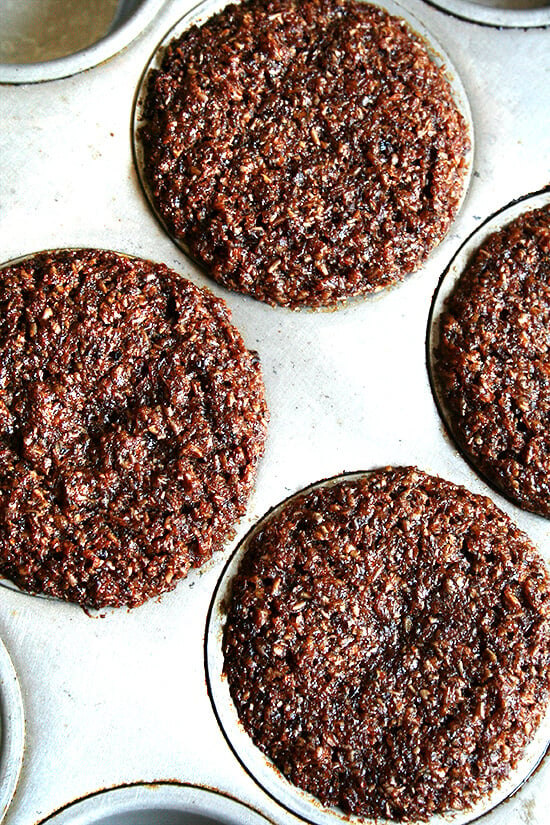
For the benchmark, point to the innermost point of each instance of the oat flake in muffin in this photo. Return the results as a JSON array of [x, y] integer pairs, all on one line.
[[303, 151], [492, 366], [132, 418], [387, 644]]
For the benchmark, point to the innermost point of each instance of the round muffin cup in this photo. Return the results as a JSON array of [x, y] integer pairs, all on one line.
[[131, 17], [201, 13], [260, 767], [157, 804], [499, 14], [12, 730], [447, 284]]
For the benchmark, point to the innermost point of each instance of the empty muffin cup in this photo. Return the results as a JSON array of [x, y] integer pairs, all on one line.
[[157, 804], [522, 14], [47, 41]]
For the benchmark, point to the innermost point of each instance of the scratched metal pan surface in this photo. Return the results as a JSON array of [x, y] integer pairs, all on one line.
[[119, 698]]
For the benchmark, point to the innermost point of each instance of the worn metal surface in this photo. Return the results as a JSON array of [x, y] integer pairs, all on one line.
[[161, 804], [120, 697]]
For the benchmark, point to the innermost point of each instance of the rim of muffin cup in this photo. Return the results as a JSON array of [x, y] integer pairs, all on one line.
[[150, 803], [260, 767], [129, 21], [12, 730], [498, 15], [198, 15]]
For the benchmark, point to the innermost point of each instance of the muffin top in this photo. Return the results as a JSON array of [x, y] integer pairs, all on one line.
[[387, 643], [132, 418], [492, 365], [303, 151]]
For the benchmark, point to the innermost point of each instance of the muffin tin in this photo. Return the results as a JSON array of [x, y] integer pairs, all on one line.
[[120, 698]]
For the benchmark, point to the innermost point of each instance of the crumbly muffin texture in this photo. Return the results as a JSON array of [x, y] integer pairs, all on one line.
[[387, 644], [492, 365], [303, 151], [132, 418]]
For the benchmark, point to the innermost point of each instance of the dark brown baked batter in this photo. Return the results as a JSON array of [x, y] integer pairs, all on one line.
[[388, 644], [131, 421], [493, 362], [303, 151]]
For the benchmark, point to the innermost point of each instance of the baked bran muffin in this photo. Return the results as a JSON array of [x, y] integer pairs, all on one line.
[[387, 644], [132, 418], [303, 151], [492, 365]]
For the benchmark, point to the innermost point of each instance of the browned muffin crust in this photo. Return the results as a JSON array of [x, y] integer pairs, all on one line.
[[387, 644], [492, 365], [303, 151], [131, 421]]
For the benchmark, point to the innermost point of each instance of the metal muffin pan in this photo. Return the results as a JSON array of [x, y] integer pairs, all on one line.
[[120, 698]]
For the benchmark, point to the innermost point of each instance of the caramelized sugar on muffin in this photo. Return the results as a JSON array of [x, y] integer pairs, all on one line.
[[492, 366]]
